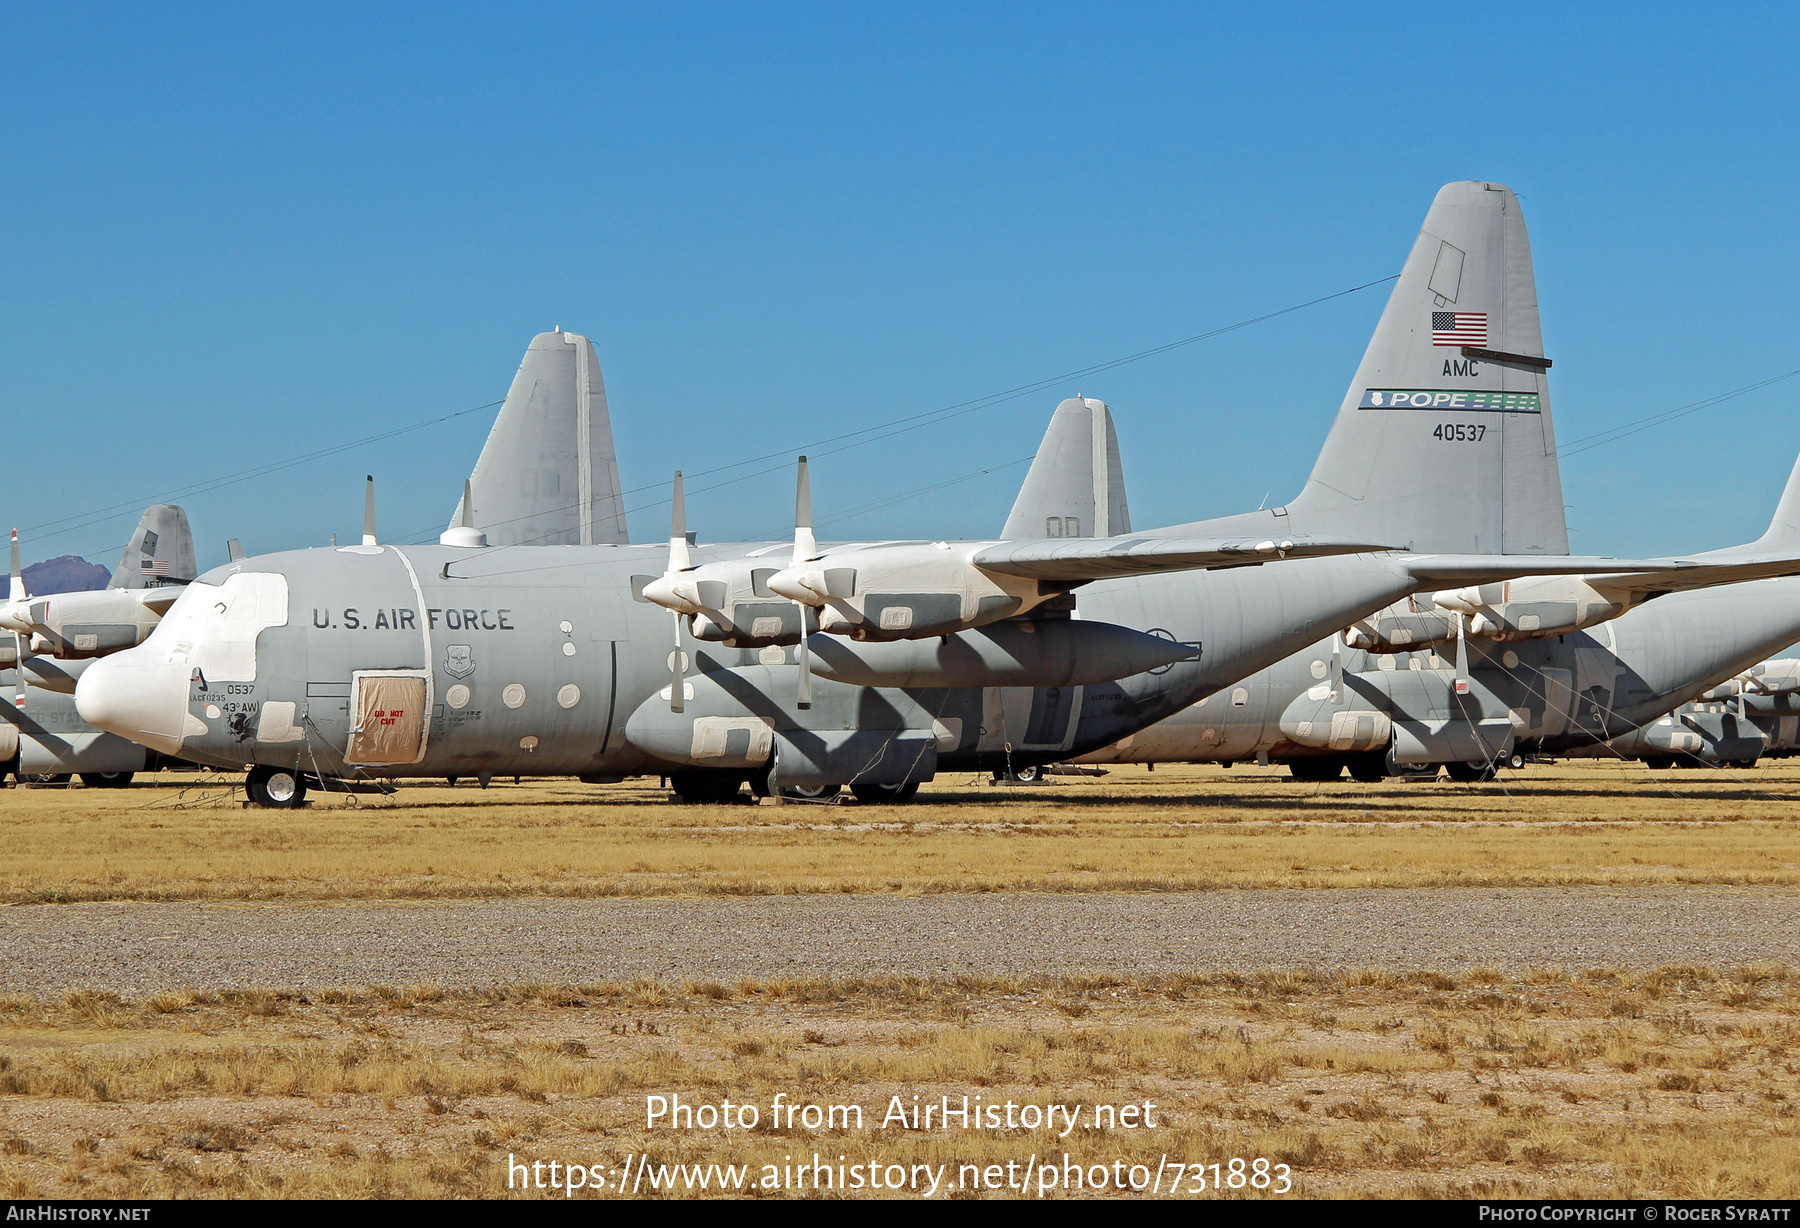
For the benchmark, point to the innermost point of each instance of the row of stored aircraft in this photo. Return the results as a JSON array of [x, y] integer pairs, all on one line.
[[1416, 604]]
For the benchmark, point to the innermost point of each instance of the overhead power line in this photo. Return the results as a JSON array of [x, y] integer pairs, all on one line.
[[1601, 438], [131, 506]]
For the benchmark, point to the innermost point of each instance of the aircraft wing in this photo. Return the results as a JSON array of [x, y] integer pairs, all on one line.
[[1443, 570], [159, 599], [1102, 558], [1705, 571]]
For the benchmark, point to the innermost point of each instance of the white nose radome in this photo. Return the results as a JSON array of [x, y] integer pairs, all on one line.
[[147, 702]]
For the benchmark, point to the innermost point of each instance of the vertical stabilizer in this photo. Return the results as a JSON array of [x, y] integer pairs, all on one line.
[[1444, 441], [1784, 529], [548, 474], [1076, 485], [161, 551], [1400, 465]]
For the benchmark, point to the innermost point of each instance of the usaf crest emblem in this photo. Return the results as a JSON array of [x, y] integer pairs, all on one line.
[[459, 661]]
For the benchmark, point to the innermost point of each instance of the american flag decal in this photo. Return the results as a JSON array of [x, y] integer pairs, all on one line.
[[156, 567], [1459, 328]]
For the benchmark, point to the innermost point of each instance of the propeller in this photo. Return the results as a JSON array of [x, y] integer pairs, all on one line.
[[1337, 666], [369, 512], [804, 548], [674, 591], [1462, 655], [16, 593]]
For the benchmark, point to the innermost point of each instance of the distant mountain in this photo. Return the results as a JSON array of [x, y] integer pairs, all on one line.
[[67, 574]]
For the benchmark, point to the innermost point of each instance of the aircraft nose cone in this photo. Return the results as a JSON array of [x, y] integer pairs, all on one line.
[[145, 702]]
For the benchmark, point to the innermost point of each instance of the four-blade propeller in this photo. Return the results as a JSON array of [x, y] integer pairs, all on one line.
[[675, 592]]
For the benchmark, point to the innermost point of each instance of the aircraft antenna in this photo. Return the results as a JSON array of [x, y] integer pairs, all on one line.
[[369, 512]]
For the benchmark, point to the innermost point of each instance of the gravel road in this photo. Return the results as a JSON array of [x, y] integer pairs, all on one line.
[[134, 949]]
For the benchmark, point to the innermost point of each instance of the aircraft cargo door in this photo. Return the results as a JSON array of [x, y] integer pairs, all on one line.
[[387, 710], [1549, 704], [1030, 719]]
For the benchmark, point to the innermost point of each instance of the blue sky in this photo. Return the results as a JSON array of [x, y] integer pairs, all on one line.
[[233, 235]]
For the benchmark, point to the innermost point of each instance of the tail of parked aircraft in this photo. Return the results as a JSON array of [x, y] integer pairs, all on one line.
[[1076, 485], [1784, 529], [161, 552], [1444, 441], [548, 474]]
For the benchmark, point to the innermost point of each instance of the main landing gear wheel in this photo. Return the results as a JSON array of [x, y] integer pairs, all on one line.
[[706, 788], [1369, 766], [106, 780], [1315, 770], [275, 788], [42, 778], [759, 785], [885, 795], [1470, 773]]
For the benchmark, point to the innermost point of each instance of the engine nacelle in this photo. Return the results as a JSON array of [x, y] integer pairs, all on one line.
[[1405, 626], [906, 590], [755, 624], [1535, 607], [730, 603], [884, 591], [76, 625], [1780, 677]]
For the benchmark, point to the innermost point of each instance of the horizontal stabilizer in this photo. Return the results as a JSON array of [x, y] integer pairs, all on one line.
[[1103, 558]]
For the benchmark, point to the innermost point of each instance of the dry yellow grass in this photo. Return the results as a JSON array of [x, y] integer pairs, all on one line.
[[1173, 829], [1680, 1082]]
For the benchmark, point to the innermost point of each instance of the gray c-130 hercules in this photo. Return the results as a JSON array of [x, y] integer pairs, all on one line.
[[54, 637], [704, 662]]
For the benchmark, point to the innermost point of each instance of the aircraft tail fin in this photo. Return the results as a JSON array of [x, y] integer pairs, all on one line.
[[1076, 484], [161, 552], [1784, 528], [1444, 442], [548, 474]]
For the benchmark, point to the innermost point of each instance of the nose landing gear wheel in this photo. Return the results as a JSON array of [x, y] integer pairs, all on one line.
[[276, 788]]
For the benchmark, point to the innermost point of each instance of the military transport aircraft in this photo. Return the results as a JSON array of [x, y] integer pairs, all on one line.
[[55, 637], [874, 664], [1473, 677], [1733, 724], [1437, 694]]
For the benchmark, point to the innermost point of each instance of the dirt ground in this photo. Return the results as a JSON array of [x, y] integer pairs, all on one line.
[[1180, 828], [1679, 1082], [1624, 1081]]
